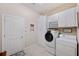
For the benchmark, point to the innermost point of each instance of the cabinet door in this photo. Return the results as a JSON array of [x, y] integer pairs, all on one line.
[[61, 21], [52, 19], [67, 18], [70, 18]]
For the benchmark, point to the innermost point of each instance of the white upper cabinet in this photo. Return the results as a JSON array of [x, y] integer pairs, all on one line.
[[53, 18], [67, 18], [52, 21], [61, 22]]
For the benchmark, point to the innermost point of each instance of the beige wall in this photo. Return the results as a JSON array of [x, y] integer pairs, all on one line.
[[0, 33], [18, 9], [78, 27]]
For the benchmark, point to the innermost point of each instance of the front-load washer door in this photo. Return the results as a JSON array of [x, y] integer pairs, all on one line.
[[49, 36], [52, 42]]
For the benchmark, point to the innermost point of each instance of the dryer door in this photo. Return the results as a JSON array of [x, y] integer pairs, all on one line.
[[49, 36]]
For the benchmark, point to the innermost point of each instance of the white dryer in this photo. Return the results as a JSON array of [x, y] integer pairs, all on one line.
[[66, 46]]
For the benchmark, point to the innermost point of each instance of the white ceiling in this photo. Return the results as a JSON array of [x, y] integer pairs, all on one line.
[[45, 8], [42, 8]]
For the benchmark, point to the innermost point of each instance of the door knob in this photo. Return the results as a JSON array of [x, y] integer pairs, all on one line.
[[21, 36]]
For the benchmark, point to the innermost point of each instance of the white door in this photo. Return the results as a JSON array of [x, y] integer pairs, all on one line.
[[14, 34], [42, 29]]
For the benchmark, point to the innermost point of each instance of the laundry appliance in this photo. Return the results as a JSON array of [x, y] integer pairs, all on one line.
[[50, 41], [66, 45], [46, 37]]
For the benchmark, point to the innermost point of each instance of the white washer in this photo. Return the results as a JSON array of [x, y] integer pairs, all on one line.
[[66, 46], [42, 30], [50, 44]]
